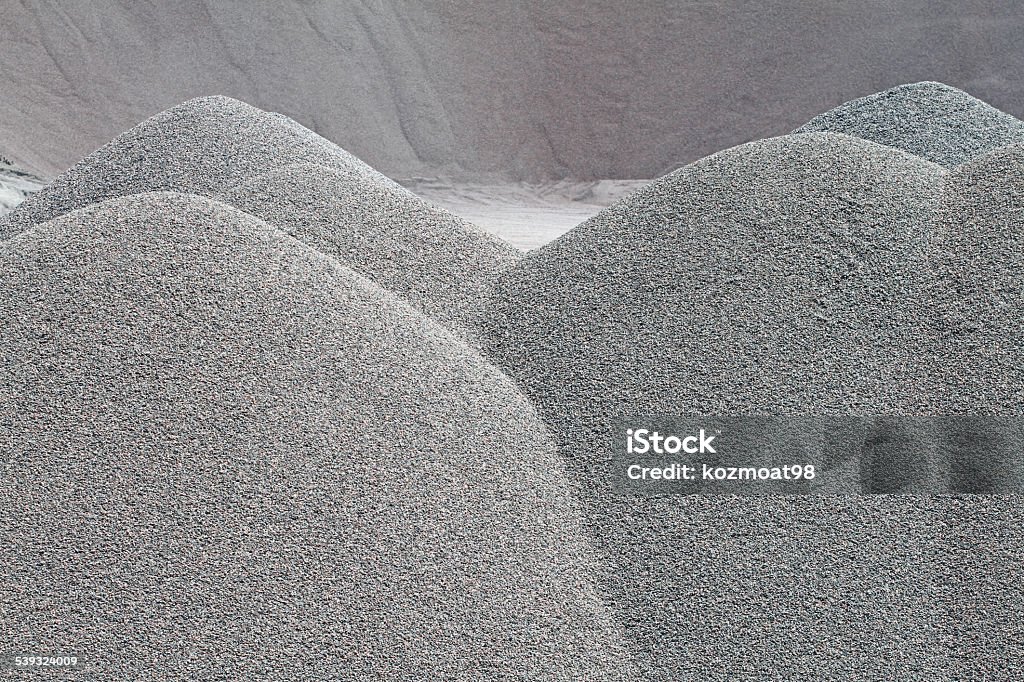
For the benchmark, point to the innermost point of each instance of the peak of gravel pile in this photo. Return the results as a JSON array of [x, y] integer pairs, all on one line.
[[934, 121], [200, 147], [791, 256], [778, 277], [439, 262], [226, 455]]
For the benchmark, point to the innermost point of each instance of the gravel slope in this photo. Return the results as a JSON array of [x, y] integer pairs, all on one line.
[[226, 455], [932, 120], [976, 259], [793, 255], [437, 261], [200, 147], [778, 277]]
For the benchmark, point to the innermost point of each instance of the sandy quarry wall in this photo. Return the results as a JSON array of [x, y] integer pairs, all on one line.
[[474, 88]]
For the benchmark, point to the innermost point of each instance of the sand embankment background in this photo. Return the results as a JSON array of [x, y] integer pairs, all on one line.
[[490, 91]]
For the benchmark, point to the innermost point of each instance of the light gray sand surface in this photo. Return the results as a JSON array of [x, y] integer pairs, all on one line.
[[227, 456], [437, 261], [526, 215], [932, 120], [775, 278]]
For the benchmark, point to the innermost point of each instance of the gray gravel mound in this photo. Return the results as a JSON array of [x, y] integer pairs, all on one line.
[[791, 254], [778, 277], [977, 263], [439, 262], [199, 147], [224, 455], [977, 257], [931, 120]]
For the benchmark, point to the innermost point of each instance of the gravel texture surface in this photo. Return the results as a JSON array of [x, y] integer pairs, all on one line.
[[227, 456], [981, 586], [233, 445], [437, 261], [976, 259], [199, 147], [977, 255], [773, 278], [934, 121]]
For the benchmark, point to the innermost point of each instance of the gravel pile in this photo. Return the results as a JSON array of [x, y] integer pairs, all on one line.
[[200, 147], [245, 423], [227, 456], [272, 167], [792, 256], [977, 261], [778, 277], [932, 120], [439, 262]]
